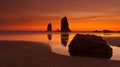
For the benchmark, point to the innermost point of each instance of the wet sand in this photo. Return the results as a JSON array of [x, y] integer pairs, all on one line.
[[36, 54]]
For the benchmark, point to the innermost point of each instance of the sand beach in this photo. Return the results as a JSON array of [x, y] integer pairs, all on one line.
[[37, 54]]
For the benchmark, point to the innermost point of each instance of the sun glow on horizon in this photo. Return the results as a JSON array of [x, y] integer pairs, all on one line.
[[82, 14]]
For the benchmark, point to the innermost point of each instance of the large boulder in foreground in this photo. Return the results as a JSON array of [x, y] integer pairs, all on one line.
[[90, 46], [64, 25]]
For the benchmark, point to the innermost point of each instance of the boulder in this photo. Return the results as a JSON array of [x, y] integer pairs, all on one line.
[[64, 25], [90, 46]]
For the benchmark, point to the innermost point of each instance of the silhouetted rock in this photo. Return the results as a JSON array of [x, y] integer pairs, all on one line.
[[107, 31], [97, 31], [90, 46], [64, 25], [49, 27], [118, 31], [57, 30]]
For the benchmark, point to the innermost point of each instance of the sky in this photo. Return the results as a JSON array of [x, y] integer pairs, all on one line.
[[82, 14]]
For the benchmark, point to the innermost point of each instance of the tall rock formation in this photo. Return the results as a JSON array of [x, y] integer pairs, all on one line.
[[65, 25], [49, 27]]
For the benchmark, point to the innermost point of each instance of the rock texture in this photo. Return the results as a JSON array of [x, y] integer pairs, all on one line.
[[90, 46], [49, 27], [64, 25]]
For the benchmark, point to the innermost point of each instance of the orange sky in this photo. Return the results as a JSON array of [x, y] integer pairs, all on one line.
[[82, 14]]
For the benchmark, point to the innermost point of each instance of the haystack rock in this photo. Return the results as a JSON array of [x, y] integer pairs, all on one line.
[[90, 46], [49, 27], [65, 25]]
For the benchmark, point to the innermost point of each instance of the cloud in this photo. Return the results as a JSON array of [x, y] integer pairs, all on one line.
[[41, 6], [18, 20], [28, 11]]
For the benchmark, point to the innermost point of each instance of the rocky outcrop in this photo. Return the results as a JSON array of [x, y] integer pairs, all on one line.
[[49, 27], [108, 31], [90, 46], [64, 25]]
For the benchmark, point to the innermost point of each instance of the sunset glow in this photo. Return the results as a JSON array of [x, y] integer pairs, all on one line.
[[82, 14]]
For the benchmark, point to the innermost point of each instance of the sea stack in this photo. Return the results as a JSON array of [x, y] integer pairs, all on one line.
[[64, 25], [49, 27]]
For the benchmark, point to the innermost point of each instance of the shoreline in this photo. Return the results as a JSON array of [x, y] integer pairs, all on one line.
[[37, 54]]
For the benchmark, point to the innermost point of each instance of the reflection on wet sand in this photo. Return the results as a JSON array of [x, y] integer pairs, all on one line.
[[49, 36], [64, 38]]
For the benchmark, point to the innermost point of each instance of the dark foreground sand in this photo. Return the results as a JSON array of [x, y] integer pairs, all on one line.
[[33, 54]]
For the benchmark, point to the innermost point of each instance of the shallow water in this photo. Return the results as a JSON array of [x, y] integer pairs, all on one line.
[[59, 42]]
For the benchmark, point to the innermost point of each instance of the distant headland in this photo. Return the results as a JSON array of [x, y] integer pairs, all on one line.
[[106, 31]]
